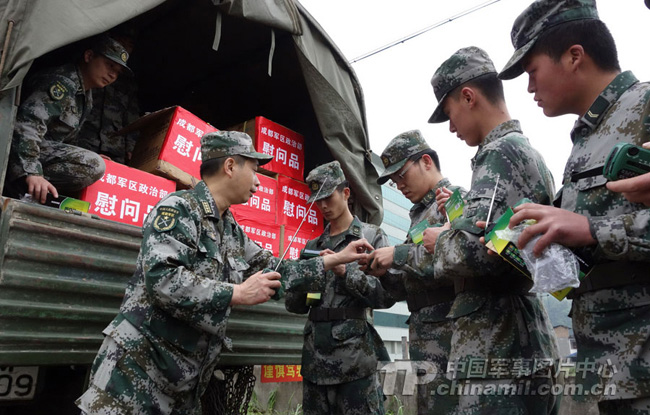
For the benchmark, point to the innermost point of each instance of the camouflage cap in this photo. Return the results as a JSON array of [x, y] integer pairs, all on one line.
[[113, 50], [463, 66], [324, 178], [538, 17], [399, 150], [230, 143]]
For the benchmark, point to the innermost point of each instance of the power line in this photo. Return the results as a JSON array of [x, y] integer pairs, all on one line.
[[426, 29]]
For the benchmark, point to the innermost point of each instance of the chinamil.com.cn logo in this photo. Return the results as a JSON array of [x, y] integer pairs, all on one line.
[[514, 377]]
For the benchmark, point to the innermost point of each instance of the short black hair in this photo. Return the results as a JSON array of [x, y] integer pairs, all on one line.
[[431, 153], [342, 186], [489, 84], [210, 167], [592, 34]]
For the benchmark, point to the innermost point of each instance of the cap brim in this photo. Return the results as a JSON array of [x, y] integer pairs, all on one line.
[[260, 157], [390, 170], [119, 62], [322, 195], [438, 115], [513, 68]]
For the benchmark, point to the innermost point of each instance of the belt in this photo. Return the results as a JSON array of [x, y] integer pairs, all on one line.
[[612, 275], [519, 286], [420, 300], [332, 314]]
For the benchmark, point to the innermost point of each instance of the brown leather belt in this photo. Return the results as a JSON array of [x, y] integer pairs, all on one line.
[[612, 275], [333, 314], [518, 286], [416, 301]]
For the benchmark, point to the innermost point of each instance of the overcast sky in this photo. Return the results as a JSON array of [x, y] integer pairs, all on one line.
[[396, 82]]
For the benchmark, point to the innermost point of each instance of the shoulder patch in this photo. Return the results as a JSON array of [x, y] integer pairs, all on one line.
[[58, 91], [167, 219]]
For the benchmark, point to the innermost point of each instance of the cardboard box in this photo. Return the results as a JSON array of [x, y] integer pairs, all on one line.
[[293, 206], [299, 241], [262, 206], [125, 194], [286, 146], [266, 235], [170, 144]]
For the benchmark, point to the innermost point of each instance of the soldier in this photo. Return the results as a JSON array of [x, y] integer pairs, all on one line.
[[114, 107], [341, 349], [572, 65], [502, 336], [195, 263], [415, 168], [635, 189], [43, 158]]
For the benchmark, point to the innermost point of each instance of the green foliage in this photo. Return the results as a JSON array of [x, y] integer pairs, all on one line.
[[395, 406]]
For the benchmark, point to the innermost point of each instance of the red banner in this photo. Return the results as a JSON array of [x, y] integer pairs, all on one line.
[[125, 194], [281, 373], [293, 207]]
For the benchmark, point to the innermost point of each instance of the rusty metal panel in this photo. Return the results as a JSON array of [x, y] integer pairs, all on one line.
[[62, 279]]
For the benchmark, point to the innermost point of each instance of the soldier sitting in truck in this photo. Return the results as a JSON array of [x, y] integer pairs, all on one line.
[[43, 158]]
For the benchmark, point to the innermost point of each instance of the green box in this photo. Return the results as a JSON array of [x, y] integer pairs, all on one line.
[[454, 205], [417, 231], [67, 203]]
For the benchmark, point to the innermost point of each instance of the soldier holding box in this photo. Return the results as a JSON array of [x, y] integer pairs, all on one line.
[[572, 65]]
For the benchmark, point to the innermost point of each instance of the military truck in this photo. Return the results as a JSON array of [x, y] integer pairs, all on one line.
[[62, 276]]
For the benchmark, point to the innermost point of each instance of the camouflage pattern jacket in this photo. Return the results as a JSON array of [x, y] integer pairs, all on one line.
[[54, 109], [178, 301], [609, 323], [343, 350], [497, 321], [114, 107]]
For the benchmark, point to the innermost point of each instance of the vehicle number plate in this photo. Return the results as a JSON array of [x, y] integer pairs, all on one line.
[[18, 382]]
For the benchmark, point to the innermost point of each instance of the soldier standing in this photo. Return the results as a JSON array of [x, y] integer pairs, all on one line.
[[406, 269], [502, 336], [195, 263], [572, 65], [43, 156], [342, 348]]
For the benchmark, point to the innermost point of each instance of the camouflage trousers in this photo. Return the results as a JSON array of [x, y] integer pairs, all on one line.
[[639, 406], [430, 333], [522, 396], [359, 397], [69, 168], [612, 331]]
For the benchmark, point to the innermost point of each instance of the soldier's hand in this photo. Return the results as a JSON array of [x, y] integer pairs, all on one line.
[[430, 236], [483, 224], [635, 189], [256, 289], [556, 225], [355, 251], [39, 187], [339, 270], [380, 260], [442, 195]]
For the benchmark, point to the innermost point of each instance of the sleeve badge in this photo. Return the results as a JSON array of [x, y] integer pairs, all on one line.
[[166, 219]]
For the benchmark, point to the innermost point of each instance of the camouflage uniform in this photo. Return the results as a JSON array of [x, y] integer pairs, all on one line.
[[610, 310], [48, 123], [411, 279], [114, 107], [340, 352], [502, 333], [160, 351]]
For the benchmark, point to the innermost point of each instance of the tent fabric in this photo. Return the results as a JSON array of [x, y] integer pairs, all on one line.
[[42, 26]]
